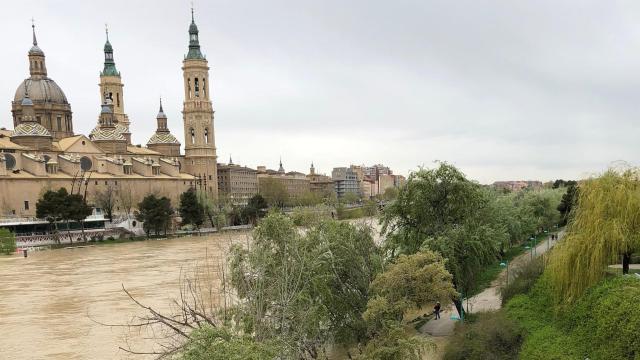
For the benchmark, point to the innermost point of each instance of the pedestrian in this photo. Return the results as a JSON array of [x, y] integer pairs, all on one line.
[[436, 310]]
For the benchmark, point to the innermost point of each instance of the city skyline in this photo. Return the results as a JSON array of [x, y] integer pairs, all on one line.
[[328, 93]]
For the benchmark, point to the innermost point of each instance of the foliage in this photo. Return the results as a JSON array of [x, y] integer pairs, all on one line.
[[274, 192], [607, 318], [350, 198], [7, 242], [220, 344], [432, 202], [106, 199], [304, 289], [255, 209], [601, 325], [351, 213], [491, 336], [605, 227], [522, 279], [309, 216], [409, 283], [155, 213], [191, 210], [51, 205], [309, 198], [562, 183], [393, 343], [76, 208], [370, 208], [567, 203], [390, 194]]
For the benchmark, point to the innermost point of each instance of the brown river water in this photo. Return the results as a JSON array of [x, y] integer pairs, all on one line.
[[51, 302]]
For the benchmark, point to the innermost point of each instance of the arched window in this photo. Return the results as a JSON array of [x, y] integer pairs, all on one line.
[[189, 87], [206, 136], [118, 99], [193, 136], [9, 161], [204, 87], [197, 88]]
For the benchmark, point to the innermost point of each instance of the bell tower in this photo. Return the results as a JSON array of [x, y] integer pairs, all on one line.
[[200, 149], [111, 85]]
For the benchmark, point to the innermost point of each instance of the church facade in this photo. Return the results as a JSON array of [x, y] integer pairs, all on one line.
[[43, 152]]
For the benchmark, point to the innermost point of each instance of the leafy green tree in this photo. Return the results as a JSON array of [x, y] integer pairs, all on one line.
[[432, 202], [221, 344], [604, 230], [255, 209], [350, 198], [191, 210], [567, 203], [390, 194], [7, 242], [304, 289], [51, 207], [274, 192], [411, 282], [155, 213]]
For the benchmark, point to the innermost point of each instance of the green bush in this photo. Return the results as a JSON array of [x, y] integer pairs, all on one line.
[[219, 344], [7, 242], [606, 320], [522, 279], [491, 336], [347, 214], [310, 215], [603, 324]]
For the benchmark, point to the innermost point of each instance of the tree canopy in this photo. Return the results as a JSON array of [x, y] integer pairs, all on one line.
[[7, 242], [191, 210], [604, 229], [155, 213]]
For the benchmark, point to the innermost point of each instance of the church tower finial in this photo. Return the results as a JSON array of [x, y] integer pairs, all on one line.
[[33, 30], [194, 42], [109, 62]]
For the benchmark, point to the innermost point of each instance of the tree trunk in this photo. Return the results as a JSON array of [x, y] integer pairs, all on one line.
[[459, 307], [626, 259]]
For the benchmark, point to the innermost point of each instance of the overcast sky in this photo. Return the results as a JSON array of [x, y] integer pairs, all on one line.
[[505, 90]]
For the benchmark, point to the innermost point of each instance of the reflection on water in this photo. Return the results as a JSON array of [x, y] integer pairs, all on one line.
[[49, 301]]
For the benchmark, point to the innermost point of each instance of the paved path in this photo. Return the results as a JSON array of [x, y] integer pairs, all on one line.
[[487, 300]]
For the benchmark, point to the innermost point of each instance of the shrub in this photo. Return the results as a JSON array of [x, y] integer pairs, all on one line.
[[549, 342], [491, 336], [607, 318], [310, 215], [523, 279], [7, 242]]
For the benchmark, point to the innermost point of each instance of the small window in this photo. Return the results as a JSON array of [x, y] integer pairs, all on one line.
[[118, 99], [59, 122], [197, 88], [26, 205], [193, 137], [116, 182], [204, 88], [189, 87], [39, 120], [106, 182], [84, 142], [96, 182], [206, 136]]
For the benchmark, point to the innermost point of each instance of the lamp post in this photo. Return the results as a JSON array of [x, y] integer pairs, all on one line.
[[531, 246]]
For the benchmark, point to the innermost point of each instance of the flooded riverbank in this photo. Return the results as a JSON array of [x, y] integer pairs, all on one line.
[[49, 301]]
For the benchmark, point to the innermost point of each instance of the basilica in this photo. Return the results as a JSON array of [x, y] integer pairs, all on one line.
[[43, 152]]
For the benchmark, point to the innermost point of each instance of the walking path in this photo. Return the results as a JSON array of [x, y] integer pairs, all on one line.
[[487, 300]]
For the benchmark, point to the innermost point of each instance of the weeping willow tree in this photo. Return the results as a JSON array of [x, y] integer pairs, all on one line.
[[604, 229]]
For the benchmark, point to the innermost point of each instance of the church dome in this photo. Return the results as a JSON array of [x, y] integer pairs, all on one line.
[[163, 138], [42, 90], [30, 129]]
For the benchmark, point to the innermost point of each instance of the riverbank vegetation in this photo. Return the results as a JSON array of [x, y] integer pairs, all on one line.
[[7, 242], [575, 307], [304, 293]]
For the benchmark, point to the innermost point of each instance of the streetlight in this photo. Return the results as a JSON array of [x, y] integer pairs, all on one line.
[[506, 264], [532, 247]]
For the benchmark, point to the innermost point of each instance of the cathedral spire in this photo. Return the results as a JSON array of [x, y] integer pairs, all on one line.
[[194, 43], [109, 63], [33, 30], [37, 66]]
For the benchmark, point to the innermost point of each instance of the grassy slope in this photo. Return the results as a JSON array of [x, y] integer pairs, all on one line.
[[603, 324]]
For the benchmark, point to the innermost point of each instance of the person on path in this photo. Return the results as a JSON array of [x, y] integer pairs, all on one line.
[[436, 310]]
